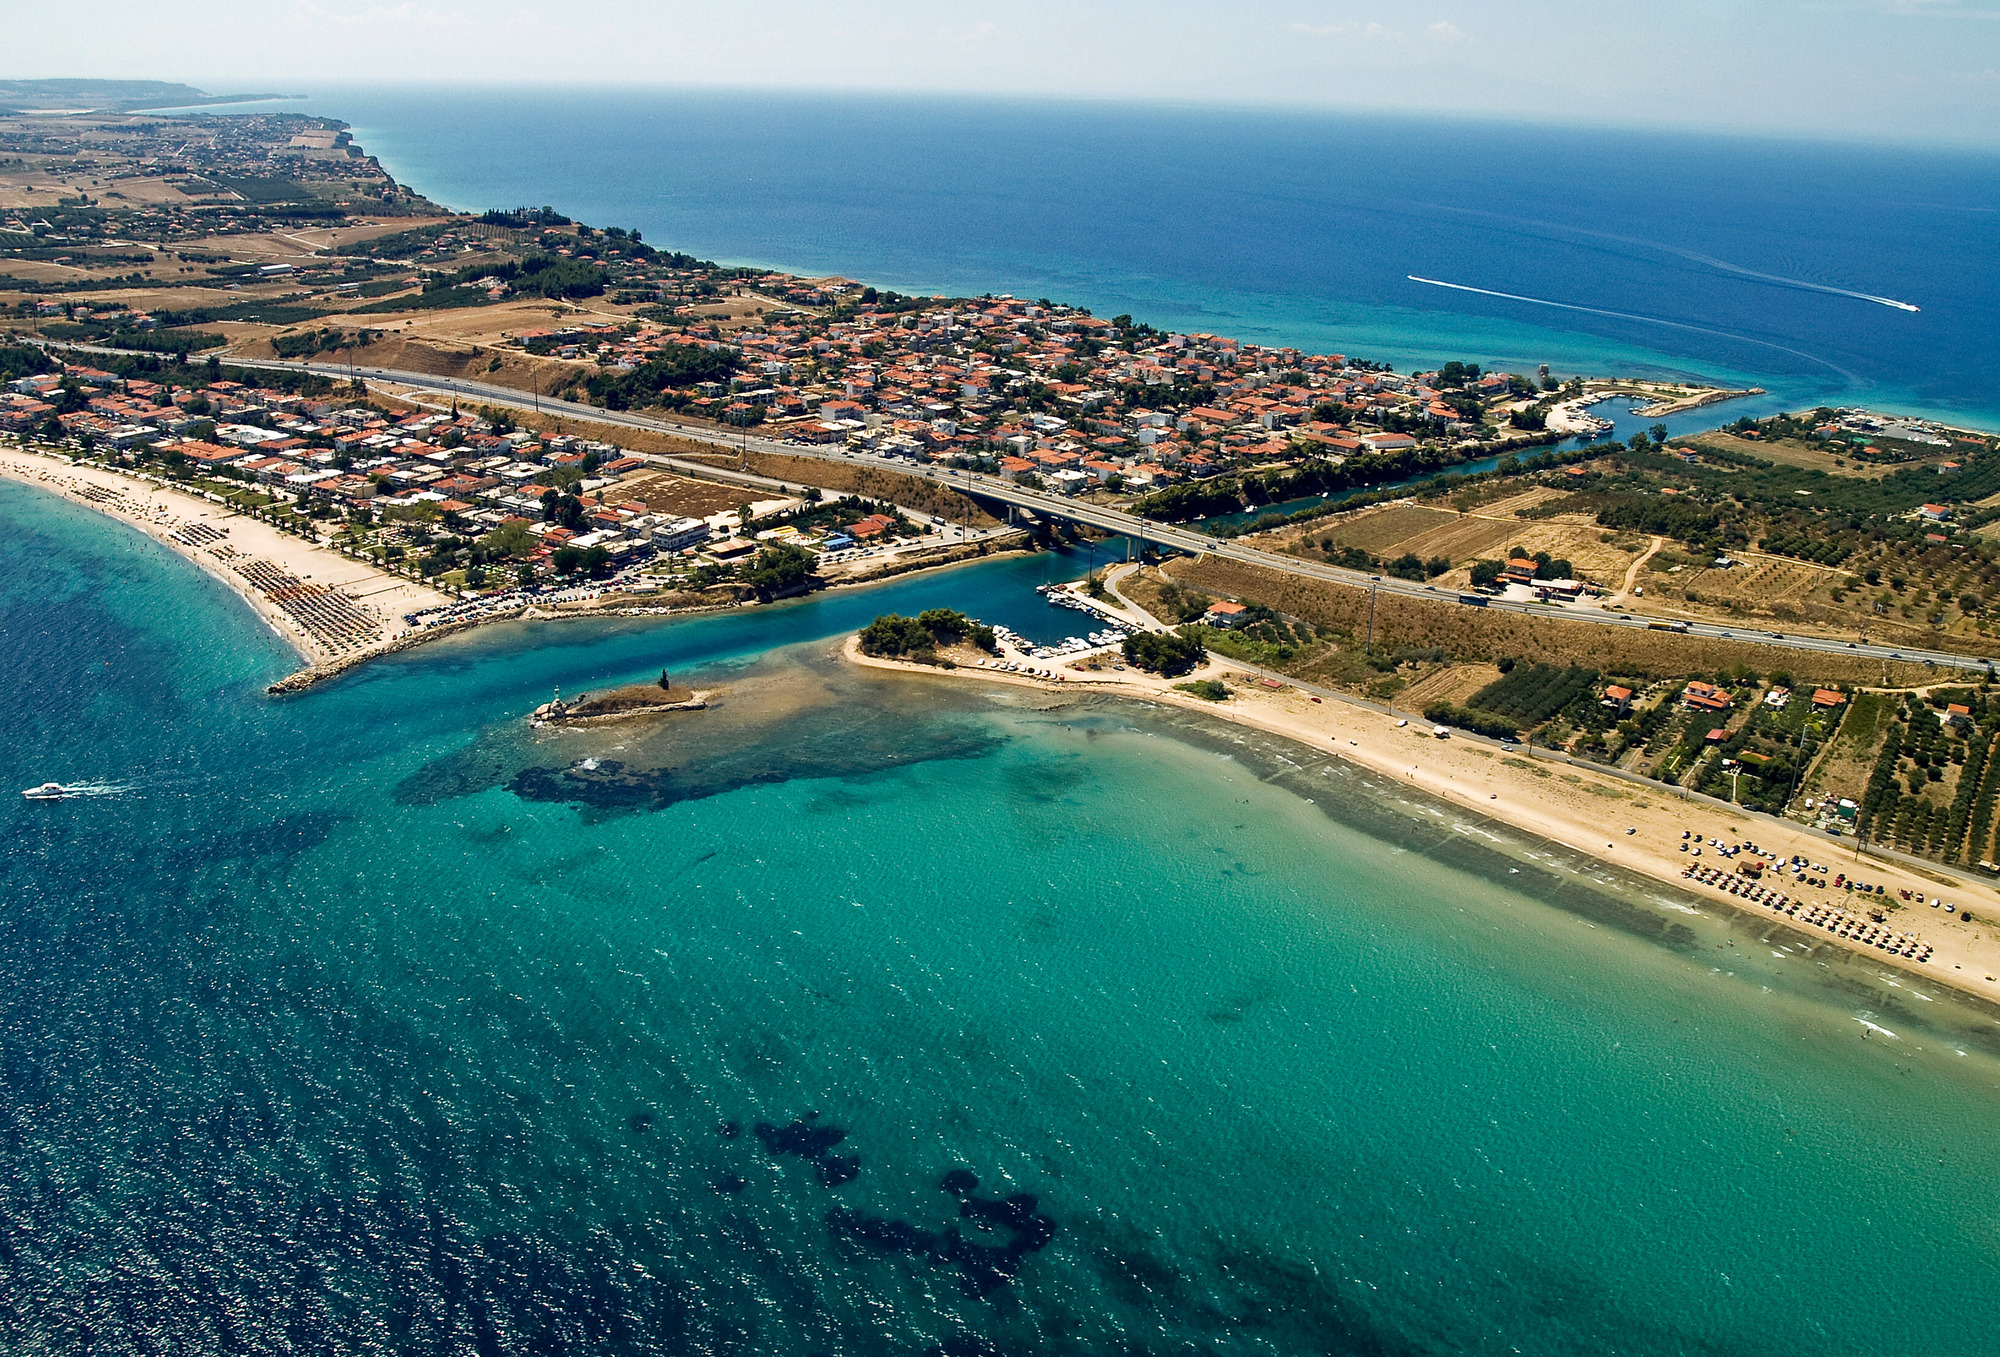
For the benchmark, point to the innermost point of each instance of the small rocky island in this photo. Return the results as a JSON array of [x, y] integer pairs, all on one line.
[[618, 704]]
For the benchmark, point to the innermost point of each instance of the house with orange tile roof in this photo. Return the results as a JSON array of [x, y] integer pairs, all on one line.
[[1706, 697]]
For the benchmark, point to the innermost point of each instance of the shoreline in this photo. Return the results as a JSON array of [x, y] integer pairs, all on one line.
[[308, 571], [1571, 808], [333, 611]]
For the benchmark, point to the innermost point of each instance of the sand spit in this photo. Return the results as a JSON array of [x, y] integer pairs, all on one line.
[[1636, 828]]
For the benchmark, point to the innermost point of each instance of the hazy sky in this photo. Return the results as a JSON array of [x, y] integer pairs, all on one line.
[[1898, 69]]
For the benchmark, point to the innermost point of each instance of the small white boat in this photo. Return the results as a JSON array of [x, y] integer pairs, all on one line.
[[48, 791]]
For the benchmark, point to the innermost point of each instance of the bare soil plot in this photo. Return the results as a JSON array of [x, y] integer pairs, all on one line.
[[682, 496], [1454, 684]]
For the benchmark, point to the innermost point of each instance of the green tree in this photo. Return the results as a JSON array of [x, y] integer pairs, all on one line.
[[778, 569], [511, 538], [1166, 653]]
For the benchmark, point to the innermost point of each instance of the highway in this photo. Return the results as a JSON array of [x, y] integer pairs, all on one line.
[[1113, 521]]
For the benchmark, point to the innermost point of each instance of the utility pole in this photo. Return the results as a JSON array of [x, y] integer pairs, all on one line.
[[1369, 649]]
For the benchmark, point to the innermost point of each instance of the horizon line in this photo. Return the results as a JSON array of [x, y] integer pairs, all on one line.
[[1777, 133]]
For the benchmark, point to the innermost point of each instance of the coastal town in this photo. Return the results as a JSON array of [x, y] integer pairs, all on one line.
[[313, 251], [182, 300]]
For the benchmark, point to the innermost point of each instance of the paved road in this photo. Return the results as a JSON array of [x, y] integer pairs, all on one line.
[[1109, 520]]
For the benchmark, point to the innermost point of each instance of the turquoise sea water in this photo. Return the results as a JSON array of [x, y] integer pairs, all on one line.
[[375, 1021], [1730, 259]]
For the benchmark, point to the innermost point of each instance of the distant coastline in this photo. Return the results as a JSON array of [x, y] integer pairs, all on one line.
[[1338, 284]]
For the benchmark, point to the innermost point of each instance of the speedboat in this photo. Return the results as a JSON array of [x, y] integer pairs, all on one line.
[[48, 791]]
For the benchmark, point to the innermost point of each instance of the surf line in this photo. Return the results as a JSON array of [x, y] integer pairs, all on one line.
[[1646, 320]]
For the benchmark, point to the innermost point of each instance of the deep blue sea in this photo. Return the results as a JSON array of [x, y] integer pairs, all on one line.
[[1734, 260], [375, 1021]]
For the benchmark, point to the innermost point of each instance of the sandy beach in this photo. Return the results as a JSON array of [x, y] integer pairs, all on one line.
[[336, 612], [1586, 812], [332, 610]]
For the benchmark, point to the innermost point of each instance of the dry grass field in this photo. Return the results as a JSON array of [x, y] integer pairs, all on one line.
[[1849, 760], [1476, 634], [912, 492], [1791, 452], [1453, 683], [1484, 533], [684, 496], [1383, 527]]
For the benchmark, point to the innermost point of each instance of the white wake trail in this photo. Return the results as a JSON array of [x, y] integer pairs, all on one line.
[[1710, 260], [1728, 267], [1644, 320]]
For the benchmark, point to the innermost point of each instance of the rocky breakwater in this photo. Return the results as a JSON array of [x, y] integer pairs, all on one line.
[[320, 673]]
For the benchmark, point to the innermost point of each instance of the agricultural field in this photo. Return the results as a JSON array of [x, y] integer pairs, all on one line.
[[1459, 538], [1934, 783], [1449, 540], [1773, 587], [1452, 683], [1823, 529], [1524, 698], [1506, 497], [1383, 528]]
